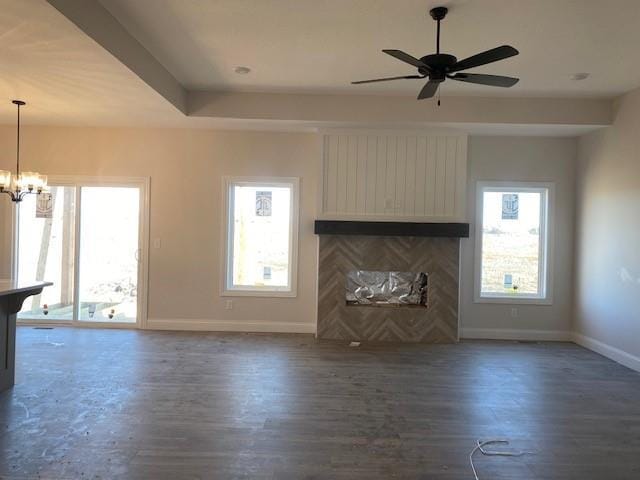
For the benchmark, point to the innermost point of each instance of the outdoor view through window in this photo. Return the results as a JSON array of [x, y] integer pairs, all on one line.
[[94, 268], [260, 237], [512, 263]]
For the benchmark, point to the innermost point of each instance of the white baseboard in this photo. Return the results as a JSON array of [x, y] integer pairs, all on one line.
[[597, 346], [516, 334], [205, 325], [608, 351]]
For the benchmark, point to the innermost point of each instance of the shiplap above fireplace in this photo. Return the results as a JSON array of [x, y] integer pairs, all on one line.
[[411, 176]]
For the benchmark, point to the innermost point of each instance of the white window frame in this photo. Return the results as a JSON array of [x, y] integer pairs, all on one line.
[[545, 255], [227, 273]]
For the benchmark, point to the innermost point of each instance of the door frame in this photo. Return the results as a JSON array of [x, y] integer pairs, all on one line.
[[79, 181]]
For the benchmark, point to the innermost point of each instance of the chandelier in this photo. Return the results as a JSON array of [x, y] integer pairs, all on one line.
[[20, 184]]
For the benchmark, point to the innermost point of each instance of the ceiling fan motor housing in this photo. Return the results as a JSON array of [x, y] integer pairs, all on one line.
[[439, 65]]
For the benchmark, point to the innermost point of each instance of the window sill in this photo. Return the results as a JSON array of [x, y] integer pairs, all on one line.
[[259, 293], [514, 300]]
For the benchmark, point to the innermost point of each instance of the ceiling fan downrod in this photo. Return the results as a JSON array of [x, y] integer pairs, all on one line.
[[438, 13]]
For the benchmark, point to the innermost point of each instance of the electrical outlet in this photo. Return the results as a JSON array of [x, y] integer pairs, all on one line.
[[228, 305], [514, 313]]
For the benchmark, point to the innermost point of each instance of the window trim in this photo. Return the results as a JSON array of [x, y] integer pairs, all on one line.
[[545, 257], [227, 237]]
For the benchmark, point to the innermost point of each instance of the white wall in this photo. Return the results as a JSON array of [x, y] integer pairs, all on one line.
[[417, 176], [186, 169], [536, 159], [607, 273], [5, 236]]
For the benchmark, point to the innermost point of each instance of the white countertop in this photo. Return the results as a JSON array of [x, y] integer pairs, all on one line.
[[11, 286]]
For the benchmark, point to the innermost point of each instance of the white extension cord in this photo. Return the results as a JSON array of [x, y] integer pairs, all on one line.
[[480, 447]]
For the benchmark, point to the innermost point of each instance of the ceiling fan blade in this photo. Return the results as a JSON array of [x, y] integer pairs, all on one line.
[[429, 90], [405, 57], [493, 80], [407, 77], [490, 56]]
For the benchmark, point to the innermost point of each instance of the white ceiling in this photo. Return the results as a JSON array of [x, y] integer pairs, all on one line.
[[314, 46], [321, 45], [65, 77]]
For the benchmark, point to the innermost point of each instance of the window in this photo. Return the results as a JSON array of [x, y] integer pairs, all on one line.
[[262, 236], [512, 246]]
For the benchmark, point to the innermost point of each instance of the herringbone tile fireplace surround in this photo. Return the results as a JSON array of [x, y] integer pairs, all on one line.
[[438, 257]]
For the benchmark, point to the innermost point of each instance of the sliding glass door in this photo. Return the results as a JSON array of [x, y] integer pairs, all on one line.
[[90, 245]]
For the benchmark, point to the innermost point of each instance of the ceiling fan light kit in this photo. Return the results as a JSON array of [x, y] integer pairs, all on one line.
[[438, 67]]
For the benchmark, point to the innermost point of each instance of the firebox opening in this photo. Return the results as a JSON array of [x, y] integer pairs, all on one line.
[[386, 289]]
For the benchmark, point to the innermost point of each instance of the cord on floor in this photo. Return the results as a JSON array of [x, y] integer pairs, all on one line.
[[480, 444]]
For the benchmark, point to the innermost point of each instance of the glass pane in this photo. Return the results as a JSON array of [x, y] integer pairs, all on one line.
[[108, 278], [46, 252], [511, 243], [261, 224]]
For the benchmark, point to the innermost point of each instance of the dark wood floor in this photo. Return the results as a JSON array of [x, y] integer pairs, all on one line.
[[125, 404]]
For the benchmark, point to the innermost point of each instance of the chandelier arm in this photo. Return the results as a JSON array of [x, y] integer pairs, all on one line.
[[11, 194]]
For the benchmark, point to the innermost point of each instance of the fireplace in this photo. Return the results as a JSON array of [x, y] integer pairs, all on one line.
[[408, 276]]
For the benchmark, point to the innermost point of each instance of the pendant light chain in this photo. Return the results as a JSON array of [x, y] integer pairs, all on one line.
[[18, 145]]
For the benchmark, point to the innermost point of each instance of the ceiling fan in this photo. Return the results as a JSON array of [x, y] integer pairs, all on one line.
[[438, 67]]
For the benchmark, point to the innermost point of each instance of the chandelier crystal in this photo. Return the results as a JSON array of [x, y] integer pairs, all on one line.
[[22, 183]]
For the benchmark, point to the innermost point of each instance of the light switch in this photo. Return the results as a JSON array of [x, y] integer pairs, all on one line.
[[156, 243]]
